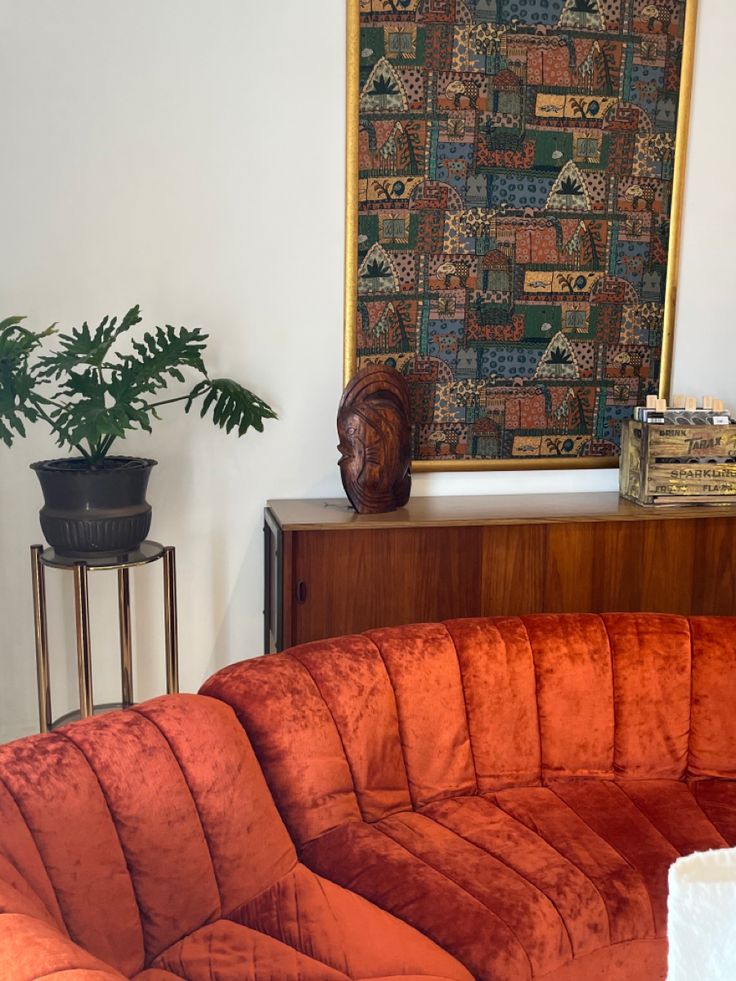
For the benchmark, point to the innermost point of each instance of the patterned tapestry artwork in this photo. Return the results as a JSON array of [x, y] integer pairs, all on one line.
[[515, 185]]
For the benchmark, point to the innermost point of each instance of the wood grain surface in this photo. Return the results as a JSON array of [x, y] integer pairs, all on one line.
[[491, 556]]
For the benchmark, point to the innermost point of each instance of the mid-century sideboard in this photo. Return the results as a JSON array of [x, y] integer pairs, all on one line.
[[330, 571]]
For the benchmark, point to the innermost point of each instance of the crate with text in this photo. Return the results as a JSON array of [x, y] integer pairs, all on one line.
[[671, 464]]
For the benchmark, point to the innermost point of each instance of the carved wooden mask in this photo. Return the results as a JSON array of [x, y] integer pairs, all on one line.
[[375, 440]]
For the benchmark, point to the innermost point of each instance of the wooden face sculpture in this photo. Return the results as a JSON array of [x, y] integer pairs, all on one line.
[[375, 440]]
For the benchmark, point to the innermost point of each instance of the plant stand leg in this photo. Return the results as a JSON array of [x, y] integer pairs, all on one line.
[[126, 644], [42, 642], [170, 621], [84, 656]]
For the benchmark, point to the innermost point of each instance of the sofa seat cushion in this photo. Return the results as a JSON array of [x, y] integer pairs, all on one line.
[[327, 922], [528, 882], [305, 927], [578, 874], [454, 914], [226, 951], [598, 826], [717, 798]]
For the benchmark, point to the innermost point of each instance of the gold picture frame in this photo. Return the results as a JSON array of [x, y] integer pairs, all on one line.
[[352, 266]]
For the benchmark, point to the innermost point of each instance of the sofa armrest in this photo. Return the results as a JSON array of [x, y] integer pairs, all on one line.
[[31, 949]]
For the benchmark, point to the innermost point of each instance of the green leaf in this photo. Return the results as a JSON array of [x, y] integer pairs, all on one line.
[[10, 322], [90, 398], [161, 358], [18, 380], [235, 407], [81, 347]]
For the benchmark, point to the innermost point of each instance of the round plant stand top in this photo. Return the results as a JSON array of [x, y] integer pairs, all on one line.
[[145, 553]]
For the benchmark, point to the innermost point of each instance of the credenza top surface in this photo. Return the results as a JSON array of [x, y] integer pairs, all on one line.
[[335, 514]]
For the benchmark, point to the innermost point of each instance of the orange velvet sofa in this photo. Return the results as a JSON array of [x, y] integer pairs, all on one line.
[[145, 844], [515, 789]]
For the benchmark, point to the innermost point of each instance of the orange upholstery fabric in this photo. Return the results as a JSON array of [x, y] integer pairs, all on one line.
[[356, 675], [651, 694], [498, 799], [717, 798], [30, 948], [145, 844], [495, 659], [515, 788], [572, 660], [713, 718], [307, 927], [425, 674]]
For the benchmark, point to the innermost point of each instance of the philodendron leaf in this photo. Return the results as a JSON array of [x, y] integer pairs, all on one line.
[[82, 347], [158, 358], [10, 322], [91, 395], [18, 398], [235, 407]]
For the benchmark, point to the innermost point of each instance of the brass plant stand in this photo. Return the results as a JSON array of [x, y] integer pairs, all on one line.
[[47, 558]]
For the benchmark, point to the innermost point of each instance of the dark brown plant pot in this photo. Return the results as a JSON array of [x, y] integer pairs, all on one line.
[[92, 511]]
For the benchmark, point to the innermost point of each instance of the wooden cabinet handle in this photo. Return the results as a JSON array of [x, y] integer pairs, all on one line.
[[301, 592]]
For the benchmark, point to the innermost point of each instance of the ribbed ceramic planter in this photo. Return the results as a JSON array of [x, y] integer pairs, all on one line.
[[95, 511]]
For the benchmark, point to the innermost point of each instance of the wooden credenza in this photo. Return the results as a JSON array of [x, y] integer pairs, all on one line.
[[330, 571]]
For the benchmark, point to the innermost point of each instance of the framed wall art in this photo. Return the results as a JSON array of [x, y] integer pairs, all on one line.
[[515, 179]]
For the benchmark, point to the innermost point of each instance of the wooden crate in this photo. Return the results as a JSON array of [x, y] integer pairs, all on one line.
[[669, 464]]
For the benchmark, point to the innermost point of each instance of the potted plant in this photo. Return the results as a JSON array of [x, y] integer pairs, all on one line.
[[90, 396]]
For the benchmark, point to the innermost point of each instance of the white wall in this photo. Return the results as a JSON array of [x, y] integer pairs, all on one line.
[[189, 156]]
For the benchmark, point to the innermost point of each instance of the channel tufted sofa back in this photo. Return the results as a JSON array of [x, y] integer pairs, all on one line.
[[365, 726], [128, 832], [145, 844], [515, 788]]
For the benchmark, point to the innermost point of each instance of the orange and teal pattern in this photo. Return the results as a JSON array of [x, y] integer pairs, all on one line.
[[516, 164]]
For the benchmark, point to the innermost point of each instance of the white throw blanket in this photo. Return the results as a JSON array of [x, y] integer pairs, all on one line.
[[702, 917]]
